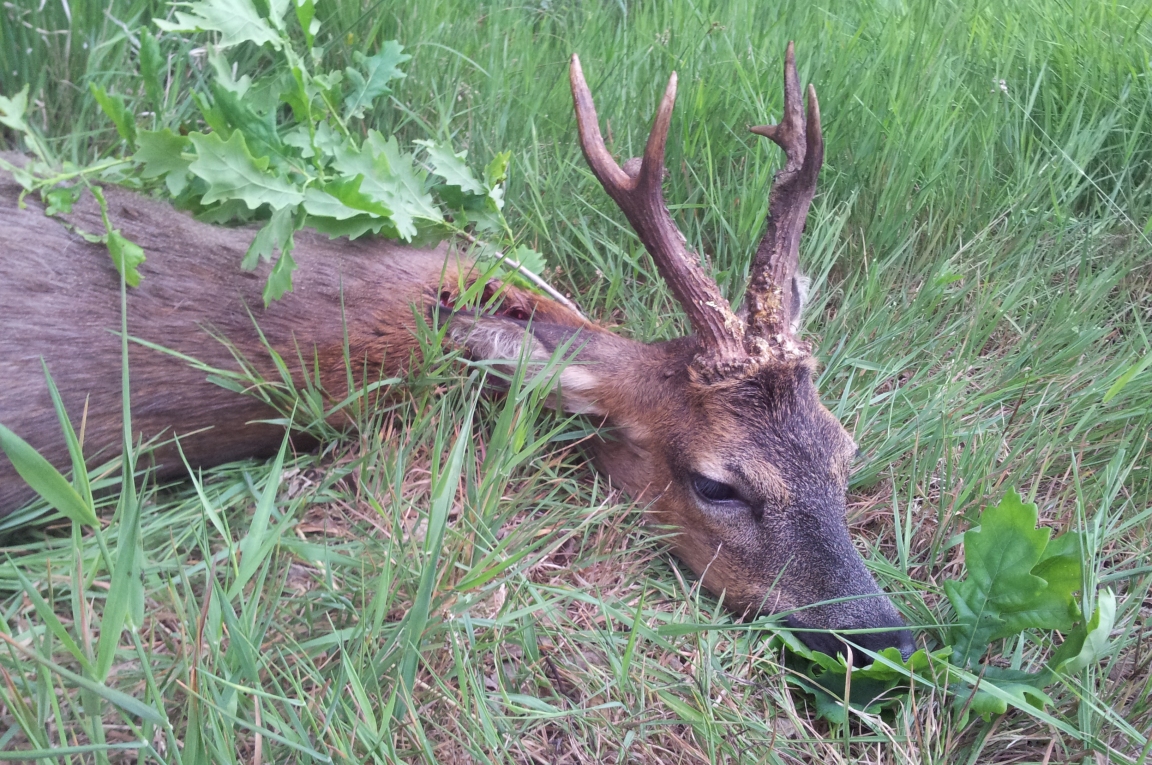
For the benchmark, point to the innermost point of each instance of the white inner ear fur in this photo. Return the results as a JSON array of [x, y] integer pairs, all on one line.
[[498, 340], [800, 287]]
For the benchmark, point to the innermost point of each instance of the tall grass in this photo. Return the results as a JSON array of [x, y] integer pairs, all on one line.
[[981, 256]]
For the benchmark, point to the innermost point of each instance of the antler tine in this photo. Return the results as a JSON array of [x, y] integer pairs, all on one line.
[[770, 294], [640, 197], [591, 141]]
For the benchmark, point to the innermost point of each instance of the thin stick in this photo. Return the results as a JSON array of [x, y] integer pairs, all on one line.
[[527, 274]]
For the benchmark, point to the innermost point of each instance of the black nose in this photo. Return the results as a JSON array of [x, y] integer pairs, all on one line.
[[831, 644]]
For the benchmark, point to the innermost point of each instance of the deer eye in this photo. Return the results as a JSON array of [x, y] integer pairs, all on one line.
[[713, 491]]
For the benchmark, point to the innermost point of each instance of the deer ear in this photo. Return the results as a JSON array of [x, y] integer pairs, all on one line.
[[582, 354]]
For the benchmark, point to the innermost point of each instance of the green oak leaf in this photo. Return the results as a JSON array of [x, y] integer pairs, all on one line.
[[450, 166], [309, 24], [867, 695], [528, 258], [127, 256], [59, 201], [233, 173], [873, 688], [975, 626], [298, 137], [224, 77], [402, 167], [1004, 593], [237, 21], [353, 227], [228, 211], [485, 221], [494, 176], [1087, 643], [212, 115], [275, 236], [341, 209], [12, 110], [277, 10], [1062, 567], [997, 689], [113, 106], [296, 93], [280, 280], [326, 82], [327, 141], [391, 179], [1018, 579], [497, 170], [480, 209], [343, 200], [259, 129], [162, 154], [373, 82]]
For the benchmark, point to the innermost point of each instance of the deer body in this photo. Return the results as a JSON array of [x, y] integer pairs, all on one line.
[[60, 302], [721, 434]]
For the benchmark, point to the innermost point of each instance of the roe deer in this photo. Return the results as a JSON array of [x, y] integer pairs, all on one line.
[[722, 432]]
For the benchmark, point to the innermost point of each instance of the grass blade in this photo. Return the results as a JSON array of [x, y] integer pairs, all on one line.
[[443, 494], [1127, 376], [129, 704], [253, 551], [45, 479]]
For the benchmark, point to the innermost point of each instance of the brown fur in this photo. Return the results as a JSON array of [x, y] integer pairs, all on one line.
[[59, 301], [786, 546]]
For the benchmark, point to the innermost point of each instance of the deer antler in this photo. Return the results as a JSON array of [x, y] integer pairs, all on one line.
[[638, 194], [727, 346], [770, 293]]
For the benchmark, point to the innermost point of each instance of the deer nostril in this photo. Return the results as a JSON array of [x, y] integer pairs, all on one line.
[[906, 644]]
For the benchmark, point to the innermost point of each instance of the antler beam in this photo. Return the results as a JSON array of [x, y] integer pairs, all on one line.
[[769, 299], [638, 193]]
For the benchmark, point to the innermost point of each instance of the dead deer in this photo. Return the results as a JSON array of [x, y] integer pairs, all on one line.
[[721, 433]]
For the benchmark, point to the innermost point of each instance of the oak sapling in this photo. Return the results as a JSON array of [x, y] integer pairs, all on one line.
[[288, 147], [1018, 580]]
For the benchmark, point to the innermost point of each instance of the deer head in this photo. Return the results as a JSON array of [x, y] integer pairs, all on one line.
[[722, 432]]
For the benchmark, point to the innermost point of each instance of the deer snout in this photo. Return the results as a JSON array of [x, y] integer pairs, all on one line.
[[876, 639]]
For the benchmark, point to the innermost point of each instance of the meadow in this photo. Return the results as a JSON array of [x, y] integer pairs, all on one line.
[[453, 583]]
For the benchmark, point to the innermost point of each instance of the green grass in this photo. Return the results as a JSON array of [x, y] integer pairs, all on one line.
[[981, 256]]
